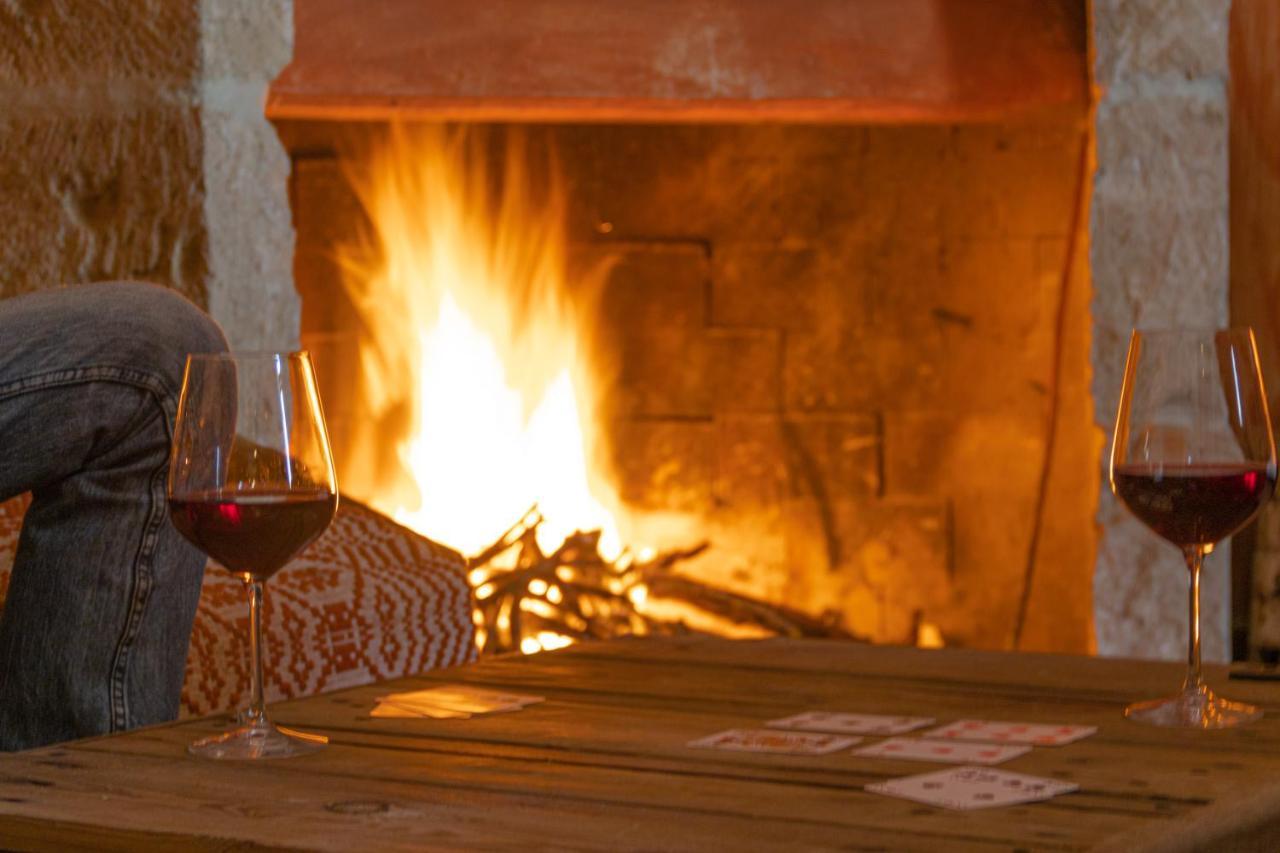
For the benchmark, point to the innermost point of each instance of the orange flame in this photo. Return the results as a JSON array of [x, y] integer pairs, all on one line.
[[473, 344]]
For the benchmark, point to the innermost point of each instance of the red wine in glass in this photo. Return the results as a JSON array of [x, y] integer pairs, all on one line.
[[1193, 459], [1194, 505], [253, 533], [251, 483]]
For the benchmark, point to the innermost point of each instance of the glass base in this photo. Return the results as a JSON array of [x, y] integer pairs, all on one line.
[[1196, 708], [258, 740]]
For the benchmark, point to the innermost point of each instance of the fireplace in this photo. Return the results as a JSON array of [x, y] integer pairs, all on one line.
[[855, 346], [842, 339], [872, 336]]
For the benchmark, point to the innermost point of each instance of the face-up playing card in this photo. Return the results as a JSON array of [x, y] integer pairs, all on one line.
[[849, 724], [972, 788], [942, 751], [770, 740], [990, 731]]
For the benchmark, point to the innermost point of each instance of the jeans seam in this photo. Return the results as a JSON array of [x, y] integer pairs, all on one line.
[[91, 373], [143, 581], [141, 574]]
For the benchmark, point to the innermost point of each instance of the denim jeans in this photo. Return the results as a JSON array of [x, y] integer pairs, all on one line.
[[95, 628]]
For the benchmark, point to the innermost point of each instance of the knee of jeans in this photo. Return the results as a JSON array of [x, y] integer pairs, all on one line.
[[156, 328]]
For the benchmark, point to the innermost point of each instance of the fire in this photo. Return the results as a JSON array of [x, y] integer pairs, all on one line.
[[475, 377], [474, 346]]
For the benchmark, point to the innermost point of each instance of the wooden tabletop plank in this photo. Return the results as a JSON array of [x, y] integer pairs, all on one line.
[[987, 678], [1027, 673], [680, 793], [579, 727], [1111, 786], [291, 803], [58, 836], [604, 763]]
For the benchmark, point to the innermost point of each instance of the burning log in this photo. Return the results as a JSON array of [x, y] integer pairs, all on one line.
[[528, 601]]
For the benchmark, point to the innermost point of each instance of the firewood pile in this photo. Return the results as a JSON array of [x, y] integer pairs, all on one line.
[[527, 600]]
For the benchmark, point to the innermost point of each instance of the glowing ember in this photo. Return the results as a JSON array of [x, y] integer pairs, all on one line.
[[462, 286]]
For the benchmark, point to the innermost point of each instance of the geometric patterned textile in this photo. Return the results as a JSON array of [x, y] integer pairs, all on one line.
[[368, 601], [11, 513]]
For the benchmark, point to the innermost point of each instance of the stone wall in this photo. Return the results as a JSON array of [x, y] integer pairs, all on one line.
[[132, 145], [1158, 249], [847, 338], [244, 44]]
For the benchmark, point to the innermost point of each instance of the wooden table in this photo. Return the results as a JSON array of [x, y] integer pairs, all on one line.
[[603, 763]]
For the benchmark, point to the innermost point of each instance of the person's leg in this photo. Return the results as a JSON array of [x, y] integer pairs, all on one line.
[[95, 628]]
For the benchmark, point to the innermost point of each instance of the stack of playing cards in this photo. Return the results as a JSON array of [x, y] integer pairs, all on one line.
[[450, 702]]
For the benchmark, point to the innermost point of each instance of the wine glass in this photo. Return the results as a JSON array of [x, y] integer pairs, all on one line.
[[1193, 459], [251, 483]]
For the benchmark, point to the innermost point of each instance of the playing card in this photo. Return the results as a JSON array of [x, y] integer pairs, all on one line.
[[991, 731], [944, 751], [972, 788], [850, 724], [460, 697], [447, 704], [392, 709], [769, 740]]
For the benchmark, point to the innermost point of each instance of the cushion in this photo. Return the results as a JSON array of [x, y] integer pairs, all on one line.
[[368, 601]]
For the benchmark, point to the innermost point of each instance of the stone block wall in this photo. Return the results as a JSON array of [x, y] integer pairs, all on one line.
[[1158, 250], [845, 336], [133, 145], [100, 145], [243, 45], [835, 351]]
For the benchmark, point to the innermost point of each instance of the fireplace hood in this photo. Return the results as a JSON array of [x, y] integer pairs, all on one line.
[[845, 61]]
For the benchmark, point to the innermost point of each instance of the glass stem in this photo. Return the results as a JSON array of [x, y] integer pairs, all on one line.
[[257, 713], [1195, 560]]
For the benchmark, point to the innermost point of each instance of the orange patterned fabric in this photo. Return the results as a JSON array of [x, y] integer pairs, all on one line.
[[370, 600], [11, 513]]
